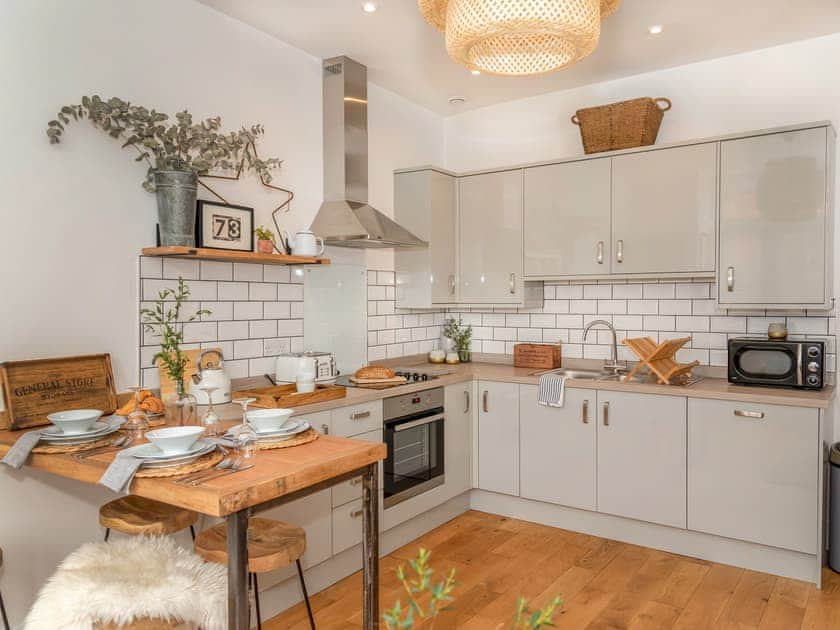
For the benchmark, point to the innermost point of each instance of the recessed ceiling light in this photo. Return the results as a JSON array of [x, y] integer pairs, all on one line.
[[457, 100], [655, 29], [475, 72], [369, 7]]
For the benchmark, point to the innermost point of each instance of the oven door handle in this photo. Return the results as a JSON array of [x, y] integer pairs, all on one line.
[[419, 422]]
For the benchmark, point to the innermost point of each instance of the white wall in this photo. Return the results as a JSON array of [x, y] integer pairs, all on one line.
[[765, 88], [75, 217]]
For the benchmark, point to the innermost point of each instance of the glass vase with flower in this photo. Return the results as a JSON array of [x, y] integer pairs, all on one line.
[[166, 321]]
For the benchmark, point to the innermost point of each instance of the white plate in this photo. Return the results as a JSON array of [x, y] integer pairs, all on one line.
[[293, 425], [56, 432], [179, 461], [150, 452], [70, 440], [274, 435]]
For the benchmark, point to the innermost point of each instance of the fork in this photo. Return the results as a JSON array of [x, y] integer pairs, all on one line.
[[119, 443], [226, 463], [236, 467]]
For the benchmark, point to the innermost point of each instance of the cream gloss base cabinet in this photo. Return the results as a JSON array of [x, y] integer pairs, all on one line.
[[753, 472], [426, 204], [498, 437]]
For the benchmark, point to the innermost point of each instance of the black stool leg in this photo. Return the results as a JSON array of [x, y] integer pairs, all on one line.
[[305, 595], [3, 613], [257, 601], [107, 533], [192, 532]]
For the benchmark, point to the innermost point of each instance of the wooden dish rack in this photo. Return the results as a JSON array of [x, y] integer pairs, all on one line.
[[659, 359]]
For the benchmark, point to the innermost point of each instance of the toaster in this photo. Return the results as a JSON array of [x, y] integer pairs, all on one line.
[[287, 366]]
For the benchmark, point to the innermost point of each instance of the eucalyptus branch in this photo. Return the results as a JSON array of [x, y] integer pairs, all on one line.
[[181, 146]]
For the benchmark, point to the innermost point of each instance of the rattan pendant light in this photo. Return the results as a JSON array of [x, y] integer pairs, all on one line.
[[518, 37]]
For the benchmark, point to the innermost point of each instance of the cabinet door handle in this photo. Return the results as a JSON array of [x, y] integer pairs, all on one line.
[[466, 401], [758, 415], [356, 482], [484, 397], [452, 284], [619, 251], [730, 279], [359, 415], [513, 283], [325, 429], [355, 514], [600, 252], [606, 414], [585, 412]]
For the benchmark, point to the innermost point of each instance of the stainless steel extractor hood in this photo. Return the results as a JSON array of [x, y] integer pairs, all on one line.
[[345, 218]]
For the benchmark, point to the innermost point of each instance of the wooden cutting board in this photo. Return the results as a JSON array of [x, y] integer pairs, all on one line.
[[167, 385], [33, 389], [396, 380]]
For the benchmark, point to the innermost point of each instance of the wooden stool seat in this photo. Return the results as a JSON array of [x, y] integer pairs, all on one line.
[[134, 515], [271, 544]]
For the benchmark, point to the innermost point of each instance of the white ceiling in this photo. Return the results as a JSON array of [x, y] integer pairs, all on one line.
[[407, 56]]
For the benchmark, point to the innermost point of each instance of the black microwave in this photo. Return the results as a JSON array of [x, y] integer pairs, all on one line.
[[781, 363]]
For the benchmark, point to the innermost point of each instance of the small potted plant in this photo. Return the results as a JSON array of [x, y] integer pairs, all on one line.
[[461, 337], [265, 240]]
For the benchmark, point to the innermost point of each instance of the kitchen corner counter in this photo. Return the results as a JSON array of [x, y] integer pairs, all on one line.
[[709, 387]]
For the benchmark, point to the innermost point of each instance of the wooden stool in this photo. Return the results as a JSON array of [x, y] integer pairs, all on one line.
[[2, 606], [135, 515], [271, 545]]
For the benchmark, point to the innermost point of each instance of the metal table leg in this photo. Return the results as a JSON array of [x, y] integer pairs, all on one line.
[[370, 546], [237, 547]]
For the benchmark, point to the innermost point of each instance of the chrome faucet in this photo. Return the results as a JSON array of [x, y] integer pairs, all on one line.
[[613, 365]]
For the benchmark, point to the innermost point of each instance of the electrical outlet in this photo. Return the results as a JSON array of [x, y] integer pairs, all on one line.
[[273, 347]]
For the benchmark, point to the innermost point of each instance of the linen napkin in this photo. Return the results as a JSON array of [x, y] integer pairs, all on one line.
[[120, 473], [19, 453], [552, 390]]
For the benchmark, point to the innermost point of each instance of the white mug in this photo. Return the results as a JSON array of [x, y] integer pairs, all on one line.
[[305, 385]]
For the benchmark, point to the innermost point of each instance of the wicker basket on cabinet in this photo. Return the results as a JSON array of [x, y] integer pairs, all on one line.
[[623, 125]]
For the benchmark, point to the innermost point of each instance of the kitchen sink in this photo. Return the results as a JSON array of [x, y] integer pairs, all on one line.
[[582, 375]]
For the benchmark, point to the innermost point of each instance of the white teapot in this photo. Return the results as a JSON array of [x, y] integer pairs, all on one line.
[[210, 375], [305, 243]]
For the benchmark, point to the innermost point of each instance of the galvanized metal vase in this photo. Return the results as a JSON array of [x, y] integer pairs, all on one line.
[[176, 195]]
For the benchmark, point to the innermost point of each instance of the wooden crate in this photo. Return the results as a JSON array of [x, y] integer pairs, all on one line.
[[33, 389], [536, 355], [287, 395]]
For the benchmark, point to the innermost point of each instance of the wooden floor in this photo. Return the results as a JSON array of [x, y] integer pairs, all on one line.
[[604, 584]]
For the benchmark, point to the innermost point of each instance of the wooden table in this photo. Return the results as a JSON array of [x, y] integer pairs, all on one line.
[[280, 476]]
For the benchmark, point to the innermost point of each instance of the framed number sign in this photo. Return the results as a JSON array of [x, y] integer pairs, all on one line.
[[224, 226]]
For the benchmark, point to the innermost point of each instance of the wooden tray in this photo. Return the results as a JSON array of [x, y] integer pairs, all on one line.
[[287, 395], [33, 389]]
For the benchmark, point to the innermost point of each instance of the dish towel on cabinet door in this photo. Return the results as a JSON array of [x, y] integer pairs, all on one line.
[[552, 390]]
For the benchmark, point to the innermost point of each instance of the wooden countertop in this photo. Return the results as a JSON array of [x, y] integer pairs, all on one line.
[[709, 387], [277, 473]]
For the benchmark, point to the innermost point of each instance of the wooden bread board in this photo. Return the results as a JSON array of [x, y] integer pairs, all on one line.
[[286, 396], [33, 389], [536, 355], [396, 380]]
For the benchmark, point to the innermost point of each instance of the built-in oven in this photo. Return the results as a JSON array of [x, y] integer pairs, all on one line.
[[414, 428], [781, 363]]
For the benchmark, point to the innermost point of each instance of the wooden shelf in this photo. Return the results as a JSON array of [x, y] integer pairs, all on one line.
[[203, 253]]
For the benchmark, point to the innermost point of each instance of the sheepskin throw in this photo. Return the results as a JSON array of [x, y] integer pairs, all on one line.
[[130, 579]]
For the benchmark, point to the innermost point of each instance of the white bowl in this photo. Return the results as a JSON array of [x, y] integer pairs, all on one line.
[[264, 420], [76, 421], [175, 440]]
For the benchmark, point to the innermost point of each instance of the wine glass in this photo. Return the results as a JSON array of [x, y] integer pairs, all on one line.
[[245, 437], [137, 422], [210, 420]]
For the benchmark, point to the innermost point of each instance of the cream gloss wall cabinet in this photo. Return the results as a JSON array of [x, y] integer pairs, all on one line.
[[567, 219], [426, 203], [776, 220], [557, 448], [498, 437]]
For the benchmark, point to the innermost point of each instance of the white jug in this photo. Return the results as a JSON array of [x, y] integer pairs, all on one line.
[[305, 243]]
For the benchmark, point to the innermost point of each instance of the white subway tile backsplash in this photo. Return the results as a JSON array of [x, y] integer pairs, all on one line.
[[276, 273], [693, 323], [290, 292], [216, 270], [660, 322], [518, 321], [262, 291], [586, 307], [674, 307], [151, 267], [278, 310], [385, 277], [233, 291], [568, 292], [247, 272], [219, 311], [543, 320], [289, 327], [610, 307], [597, 291], [248, 310], [493, 319], [200, 331], [728, 324], [627, 291], [376, 293], [658, 291], [807, 325], [642, 307], [263, 328], [556, 306], [246, 349], [174, 268], [694, 290], [233, 330]]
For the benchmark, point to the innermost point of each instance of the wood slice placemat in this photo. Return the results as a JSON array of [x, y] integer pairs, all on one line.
[[56, 449], [205, 462], [310, 435]]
